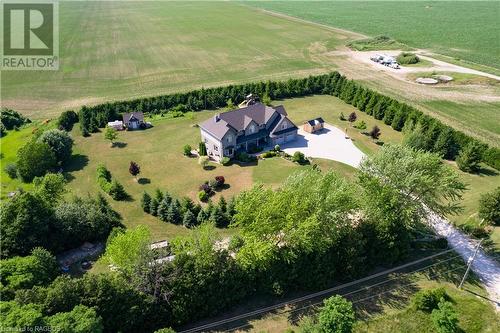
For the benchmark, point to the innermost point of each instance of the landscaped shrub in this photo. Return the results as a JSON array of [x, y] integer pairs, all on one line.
[[220, 180], [299, 157], [255, 149], [361, 125], [225, 161], [109, 185], [203, 161], [203, 196], [187, 150], [428, 300], [341, 116], [407, 58], [202, 149], [489, 207], [245, 158], [11, 170], [205, 187], [277, 148], [268, 154]]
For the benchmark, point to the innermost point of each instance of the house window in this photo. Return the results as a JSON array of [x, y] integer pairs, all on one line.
[[206, 141], [216, 148], [252, 129], [230, 138], [283, 126]]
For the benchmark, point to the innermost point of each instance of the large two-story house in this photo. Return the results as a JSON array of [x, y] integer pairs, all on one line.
[[226, 134]]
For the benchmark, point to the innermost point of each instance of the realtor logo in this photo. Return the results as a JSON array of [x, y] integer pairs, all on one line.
[[30, 32]]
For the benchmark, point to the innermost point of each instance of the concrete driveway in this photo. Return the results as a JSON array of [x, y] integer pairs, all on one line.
[[330, 143]]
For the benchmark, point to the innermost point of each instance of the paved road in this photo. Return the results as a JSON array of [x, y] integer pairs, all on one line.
[[487, 269]]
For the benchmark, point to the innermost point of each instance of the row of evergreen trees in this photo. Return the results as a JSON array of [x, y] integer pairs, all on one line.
[[439, 137], [186, 212]]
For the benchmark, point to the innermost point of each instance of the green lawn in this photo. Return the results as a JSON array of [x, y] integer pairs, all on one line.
[[464, 29], [121, 50]]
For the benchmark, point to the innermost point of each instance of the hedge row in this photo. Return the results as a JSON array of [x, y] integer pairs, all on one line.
[[109, 185], [440, 138]]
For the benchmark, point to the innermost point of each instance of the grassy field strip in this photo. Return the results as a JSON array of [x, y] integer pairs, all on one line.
[[419, 24]]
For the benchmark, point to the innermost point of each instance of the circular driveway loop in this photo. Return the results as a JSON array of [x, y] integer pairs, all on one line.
[[329, 143]]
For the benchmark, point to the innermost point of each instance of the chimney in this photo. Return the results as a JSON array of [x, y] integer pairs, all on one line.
[[217, 117]]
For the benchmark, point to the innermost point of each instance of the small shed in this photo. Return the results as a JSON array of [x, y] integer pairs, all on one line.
[[117, 125], [314, 125], [133, 120]]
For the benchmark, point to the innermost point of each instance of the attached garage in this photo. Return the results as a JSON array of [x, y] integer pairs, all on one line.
[[279, 140], [290, 137]]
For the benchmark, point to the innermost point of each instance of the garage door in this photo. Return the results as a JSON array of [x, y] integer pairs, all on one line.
[[290, 137], [279, 140]]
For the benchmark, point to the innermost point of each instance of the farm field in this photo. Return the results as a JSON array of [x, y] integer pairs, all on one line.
[[122, 50], [470, 27]]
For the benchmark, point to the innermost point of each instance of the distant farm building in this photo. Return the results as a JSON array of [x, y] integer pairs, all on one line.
[[314, 125], [133, 120], [117, 125]]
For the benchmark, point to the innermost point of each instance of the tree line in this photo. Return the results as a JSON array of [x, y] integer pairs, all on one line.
[[437, 137]]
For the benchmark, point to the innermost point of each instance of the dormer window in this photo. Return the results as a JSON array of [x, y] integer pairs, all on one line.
[[252, 129], [229, 138], [283, 126]]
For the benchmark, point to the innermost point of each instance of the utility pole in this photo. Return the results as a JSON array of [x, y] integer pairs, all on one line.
[[469, 264]]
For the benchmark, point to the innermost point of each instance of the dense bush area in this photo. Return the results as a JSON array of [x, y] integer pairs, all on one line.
[[407, 58], [489, 207], [41, 218], [11, 119], [438, 137], [66, 120]]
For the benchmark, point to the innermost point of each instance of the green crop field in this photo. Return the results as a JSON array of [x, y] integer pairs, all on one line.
[[121, 50], [460, 29]]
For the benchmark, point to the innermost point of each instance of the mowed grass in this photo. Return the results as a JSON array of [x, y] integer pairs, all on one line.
[[158, 151], [466, 29], [123, 50]]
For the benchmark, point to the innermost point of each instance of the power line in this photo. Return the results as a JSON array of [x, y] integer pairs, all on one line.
[[314, 295], [353, 302]]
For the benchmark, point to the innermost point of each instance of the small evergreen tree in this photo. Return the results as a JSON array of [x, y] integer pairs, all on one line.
[[202, 149], [163, 208], [173, 213], [117, 191], [218, 218], [134, 169], [146, 202], [189, 219], [445, 144], [375, 133], [153, 207], [222, 204], [202, 216], [469, 158]]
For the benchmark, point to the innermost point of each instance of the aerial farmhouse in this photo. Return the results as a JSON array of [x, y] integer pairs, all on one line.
[[241, 130]]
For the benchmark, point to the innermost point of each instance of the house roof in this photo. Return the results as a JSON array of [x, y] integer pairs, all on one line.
[[133, 116], [239, 119], [316, 121]]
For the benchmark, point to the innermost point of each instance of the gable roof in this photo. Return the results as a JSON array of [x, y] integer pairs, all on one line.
[[133, 116], [239, 119], [316, 121]]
